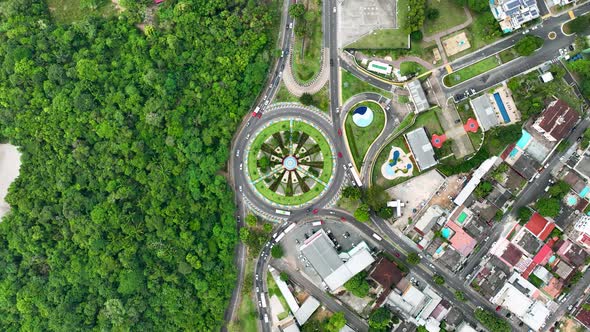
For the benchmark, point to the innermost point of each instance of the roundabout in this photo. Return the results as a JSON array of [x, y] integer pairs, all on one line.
[[289, 161]]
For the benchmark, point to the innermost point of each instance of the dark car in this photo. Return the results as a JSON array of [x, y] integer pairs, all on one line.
[[331, 62], [459, 97]]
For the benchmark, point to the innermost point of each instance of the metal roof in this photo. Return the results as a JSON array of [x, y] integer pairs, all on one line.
[[418, 95], [306, 310], [421, 148], [484, 112], [320, 252]]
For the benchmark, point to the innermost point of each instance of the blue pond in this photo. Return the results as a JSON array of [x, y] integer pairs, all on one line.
[[502, 108], [362, 116]]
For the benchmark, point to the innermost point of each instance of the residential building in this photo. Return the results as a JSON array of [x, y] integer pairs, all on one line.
[[581, 233], [418, 96], [481, 171], [556, 121], [484, 112], [539, 226], [432, 215], [321, 254], [421, 148], [512, 14], [387, 275]]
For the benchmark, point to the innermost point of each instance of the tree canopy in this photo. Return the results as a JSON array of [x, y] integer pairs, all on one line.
[[121, 218], [491, 321], [528, 45], [380, 319], [358, 285], [362, 213], [548, 206]]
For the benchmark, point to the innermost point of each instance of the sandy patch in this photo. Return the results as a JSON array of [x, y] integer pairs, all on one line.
[[9, 169]]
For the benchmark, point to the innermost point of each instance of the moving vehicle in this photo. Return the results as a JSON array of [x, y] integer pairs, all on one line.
[[256, 112], [283, 212], [379, 238], [288, 229], [317, 223], [355, 175]]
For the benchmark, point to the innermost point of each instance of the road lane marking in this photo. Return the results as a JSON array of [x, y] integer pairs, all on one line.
[[571, 14], [449, 68]]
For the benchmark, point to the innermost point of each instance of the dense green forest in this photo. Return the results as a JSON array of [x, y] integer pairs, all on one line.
[[121, 218]]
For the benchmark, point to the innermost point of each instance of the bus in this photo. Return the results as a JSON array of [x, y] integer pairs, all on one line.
[[280, 237], [288, 229], [263, 300], [283, 212], [377, 237], [355, 175]]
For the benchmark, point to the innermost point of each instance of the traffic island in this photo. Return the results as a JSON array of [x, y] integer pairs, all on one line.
[[290, 162]]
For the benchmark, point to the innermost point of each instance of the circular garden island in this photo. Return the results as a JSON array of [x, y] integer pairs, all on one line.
[[290, 162]]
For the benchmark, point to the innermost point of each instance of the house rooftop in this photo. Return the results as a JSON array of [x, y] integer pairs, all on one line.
[[418, 95], [386, 273], [512, 254], [539, 226], [558, 119], [421, 148], [484, 111]]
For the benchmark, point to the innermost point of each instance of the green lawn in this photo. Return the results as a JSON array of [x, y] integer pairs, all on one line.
[[429, 120], [471, 71], [508, 55], [247, 313], [382, 39], [465, 111], [307, 51], [351, 86], [348, 204], [450, 15], [283, 95], [567, 29], [410, 67], [360, 139], [68, 11], [475, 138]]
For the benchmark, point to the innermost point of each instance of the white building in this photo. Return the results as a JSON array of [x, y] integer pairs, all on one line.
[[581, 231], [512, 14], [380, 67], [481, 171]]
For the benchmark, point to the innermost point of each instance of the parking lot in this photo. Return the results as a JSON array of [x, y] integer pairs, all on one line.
[[359, 17]]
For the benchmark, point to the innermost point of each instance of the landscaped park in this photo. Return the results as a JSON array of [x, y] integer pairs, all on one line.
[[290, 162], [363, 125]]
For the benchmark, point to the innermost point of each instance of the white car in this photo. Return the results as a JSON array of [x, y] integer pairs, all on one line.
[[241, 166], [238, 153], [241, 190]]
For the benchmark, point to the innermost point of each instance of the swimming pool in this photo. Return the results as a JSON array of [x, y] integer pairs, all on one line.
[[524, 140], [584, 191], [445, 232], [571, 200], [501, 107]]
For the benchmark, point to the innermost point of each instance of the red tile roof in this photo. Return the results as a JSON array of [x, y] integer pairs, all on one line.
[[539, 226], [386, 273], [542, 257], [558, 119], [584, 316]]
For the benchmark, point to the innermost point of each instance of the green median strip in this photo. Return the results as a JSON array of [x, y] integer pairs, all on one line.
[[471, 71]]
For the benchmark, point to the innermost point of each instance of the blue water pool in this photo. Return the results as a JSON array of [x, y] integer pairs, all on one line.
[[584, 191], [439, 250], [524, 140], [552, 259], [571, 200], [501, 107], [513, 152], [409, 166], [445, 232]]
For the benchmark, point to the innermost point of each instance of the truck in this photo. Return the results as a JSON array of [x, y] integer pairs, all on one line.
[[256, 111], [355, 175], [316, 223], [377, 237], [283, 212], [266, 318]]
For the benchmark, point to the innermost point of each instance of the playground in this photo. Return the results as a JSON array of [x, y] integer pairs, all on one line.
[[456, 44], [397, 165]]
